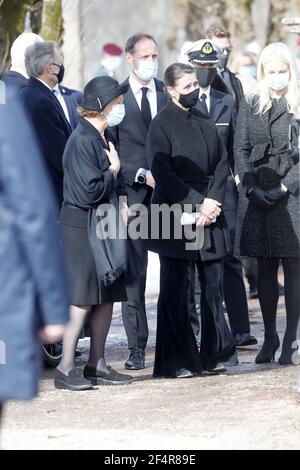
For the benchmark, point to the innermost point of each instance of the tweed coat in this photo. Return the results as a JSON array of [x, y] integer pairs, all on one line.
[[263, 158]]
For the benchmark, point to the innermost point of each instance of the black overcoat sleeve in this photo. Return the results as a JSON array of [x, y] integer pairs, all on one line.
[[242, 148], [93, 180]]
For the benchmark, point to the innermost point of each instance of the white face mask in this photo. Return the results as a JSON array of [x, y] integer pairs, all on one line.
[[116, 115], [146, 70], [277, 81]]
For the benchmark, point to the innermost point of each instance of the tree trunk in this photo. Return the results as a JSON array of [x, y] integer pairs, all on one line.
[[52, 21]]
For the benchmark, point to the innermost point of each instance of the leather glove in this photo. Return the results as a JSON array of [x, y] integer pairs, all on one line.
[[260, 198], [277, 193]]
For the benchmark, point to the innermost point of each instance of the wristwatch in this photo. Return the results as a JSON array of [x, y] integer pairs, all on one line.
[[142, 176]]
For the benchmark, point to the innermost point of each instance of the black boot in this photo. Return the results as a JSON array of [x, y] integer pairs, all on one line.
[[289, 356], [268, 350]]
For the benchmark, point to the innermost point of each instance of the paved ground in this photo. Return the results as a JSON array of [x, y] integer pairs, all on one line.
[[251, 407]]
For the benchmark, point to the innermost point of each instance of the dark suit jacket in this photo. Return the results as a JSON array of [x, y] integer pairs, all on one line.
[[73, 99], [132, 135], [14, 82], [223, 113], [220, 85], [52, 129]]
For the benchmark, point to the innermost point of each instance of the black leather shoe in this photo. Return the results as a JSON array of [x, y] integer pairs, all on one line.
[[253, 294], [232, 361], [268, 350], [184, 374], [136, 359], [111, 377], [72, 381], [219, 369], [289, 356], [244, 339], [280, 289]]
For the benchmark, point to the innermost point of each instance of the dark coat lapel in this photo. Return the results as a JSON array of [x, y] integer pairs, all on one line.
[[280, 109], [216, 105], [33, 82]]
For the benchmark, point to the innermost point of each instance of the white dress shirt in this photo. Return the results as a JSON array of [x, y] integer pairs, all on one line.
[[136, 88], [151, 93], [206, 91], [56, 90]]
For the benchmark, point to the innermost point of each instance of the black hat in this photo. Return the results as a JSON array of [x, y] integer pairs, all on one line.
[[204, 51], [100, 91]]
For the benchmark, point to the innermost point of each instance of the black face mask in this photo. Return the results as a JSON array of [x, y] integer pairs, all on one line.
[[206, 76], [223, 61], [190, 100], [61, 73]]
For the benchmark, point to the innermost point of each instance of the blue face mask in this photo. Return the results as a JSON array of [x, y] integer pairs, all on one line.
[[116, 115]]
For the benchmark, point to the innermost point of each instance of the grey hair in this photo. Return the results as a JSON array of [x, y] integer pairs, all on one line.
[[39, 55]]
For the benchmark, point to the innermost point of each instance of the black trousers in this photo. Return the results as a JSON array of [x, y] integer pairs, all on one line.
[[234, 290], [134, 310], [175, 341]]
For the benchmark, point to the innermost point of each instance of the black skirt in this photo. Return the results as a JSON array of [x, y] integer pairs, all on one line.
[[82, 276]]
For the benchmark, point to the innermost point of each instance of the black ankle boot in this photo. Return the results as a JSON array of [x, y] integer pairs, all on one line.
[[268, 350], [288, 356]]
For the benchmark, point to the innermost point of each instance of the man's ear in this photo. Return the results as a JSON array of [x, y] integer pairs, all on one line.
[[128, 58]]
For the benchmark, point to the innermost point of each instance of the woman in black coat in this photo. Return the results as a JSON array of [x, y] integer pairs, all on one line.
[[96, 264], [189, 166], [267, 163]]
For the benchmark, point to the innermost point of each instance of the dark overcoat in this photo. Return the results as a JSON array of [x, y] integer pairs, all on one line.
[[262, 158], [189, 163], [51, 128], [33, 286]]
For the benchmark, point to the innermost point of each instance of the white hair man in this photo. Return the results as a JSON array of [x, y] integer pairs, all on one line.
[[16, 77], [44, 66]]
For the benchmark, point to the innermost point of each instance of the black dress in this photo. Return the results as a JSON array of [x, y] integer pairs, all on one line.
[[87, 183], [188, 164]]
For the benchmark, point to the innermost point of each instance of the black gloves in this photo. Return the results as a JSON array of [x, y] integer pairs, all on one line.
[[275, 194], [266, 199], [260, 198]]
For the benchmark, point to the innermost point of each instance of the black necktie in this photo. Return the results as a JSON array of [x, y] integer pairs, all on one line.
[[145, 107], [204, 107]]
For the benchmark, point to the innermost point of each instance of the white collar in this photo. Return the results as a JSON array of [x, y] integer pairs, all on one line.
[[56, 89], [44, 83], [136, 86], [206, 91]]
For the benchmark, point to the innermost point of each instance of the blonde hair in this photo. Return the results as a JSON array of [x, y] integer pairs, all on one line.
[[261, 95], [88, 113]]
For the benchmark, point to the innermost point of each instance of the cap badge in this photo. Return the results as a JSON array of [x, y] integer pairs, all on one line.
[[207, 48]]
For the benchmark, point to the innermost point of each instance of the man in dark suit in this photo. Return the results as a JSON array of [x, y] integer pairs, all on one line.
[[226, 81], [145, 97], [44, 65], [16, 77], [220, 107], [70, 100]]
